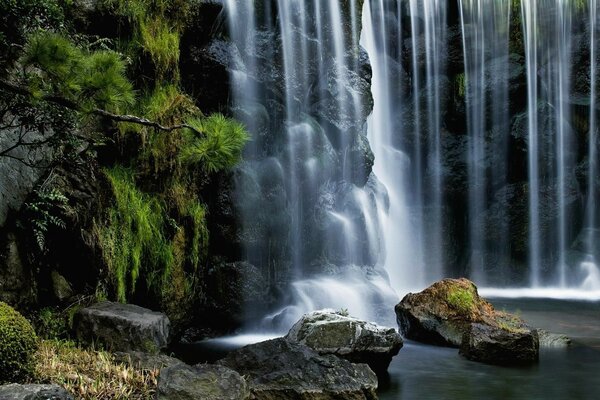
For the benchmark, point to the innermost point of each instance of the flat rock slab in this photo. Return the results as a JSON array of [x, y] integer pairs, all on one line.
[[492, 345], [201, 382], [122, 327], [281, 370], [330, 332], [33, 392]]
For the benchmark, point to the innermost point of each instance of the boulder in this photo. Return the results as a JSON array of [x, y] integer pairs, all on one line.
[[443, 312], [451, 313], [122, 327], [200, 382], [331, 332], [493, 345], [279, 369], [14, 391]]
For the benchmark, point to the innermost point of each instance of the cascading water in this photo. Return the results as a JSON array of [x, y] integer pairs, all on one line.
[[309, 205], [485, 33], [476, 131]]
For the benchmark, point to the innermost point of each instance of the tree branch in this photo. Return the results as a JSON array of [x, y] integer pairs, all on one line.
[[64, 102]]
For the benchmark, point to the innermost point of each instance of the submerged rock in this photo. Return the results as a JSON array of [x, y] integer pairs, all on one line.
[[14, 391], [331, 332], [280, 369], [451, 313], [200, 382], [122, 327], [495, 345]]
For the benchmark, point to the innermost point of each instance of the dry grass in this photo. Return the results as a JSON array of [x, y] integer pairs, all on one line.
[[91, 374]]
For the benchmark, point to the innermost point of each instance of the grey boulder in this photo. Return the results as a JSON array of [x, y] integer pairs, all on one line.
[[122, 327], [282, 370], [332, 332], [14, 391], [200, 382]]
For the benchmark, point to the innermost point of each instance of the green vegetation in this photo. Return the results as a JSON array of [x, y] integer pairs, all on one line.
[[18, 344], [460, 82], [220, 149], [461, 299], [43, 212], [90, 79], [134, 236]]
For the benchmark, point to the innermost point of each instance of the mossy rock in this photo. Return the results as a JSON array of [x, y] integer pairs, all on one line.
[[18, 343], [443, 312]]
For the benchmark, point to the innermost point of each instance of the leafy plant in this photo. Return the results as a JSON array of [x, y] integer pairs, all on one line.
[[134, 235], [43, 212], [55, 66], [220, 148]]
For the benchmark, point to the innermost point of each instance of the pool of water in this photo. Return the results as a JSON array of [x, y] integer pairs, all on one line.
[[428, 372]]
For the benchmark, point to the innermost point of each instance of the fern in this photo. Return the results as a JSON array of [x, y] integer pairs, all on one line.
[[43, 213]]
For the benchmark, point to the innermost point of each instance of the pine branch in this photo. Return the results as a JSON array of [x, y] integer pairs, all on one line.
[[64, 102]]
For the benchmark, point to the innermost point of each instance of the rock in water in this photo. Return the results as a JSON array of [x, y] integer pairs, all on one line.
[[451, 313], [33, 392], [201, 382], [330, 332], [494, 345], [122, 327], [443, 312], [281, 370]]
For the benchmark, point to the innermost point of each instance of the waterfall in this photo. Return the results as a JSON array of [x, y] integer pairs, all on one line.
[[485, 33], [470, 113]]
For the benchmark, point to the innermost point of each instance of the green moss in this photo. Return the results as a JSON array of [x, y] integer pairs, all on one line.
[[461, 299], [133, 236], [460, 82], [18, 344]]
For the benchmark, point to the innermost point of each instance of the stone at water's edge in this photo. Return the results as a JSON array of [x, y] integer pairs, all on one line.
[[329, 332], [200, 382], [281, 370], [443, 312], [493, 345], [33, 392], [122, 327], [451, 313]]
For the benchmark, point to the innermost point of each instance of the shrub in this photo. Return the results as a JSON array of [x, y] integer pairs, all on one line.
[[18, 344]]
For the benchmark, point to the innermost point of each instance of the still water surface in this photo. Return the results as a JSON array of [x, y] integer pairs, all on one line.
[[428, 372]]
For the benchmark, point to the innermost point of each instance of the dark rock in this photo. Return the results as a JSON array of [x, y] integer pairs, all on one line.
[[278, 369], [493, 345], [330, 332], [14, 391], [232, 289], [451, 313], [17, 282], [435, 316], [61, 287], [200, 382], [122, 327], [146, 361]]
